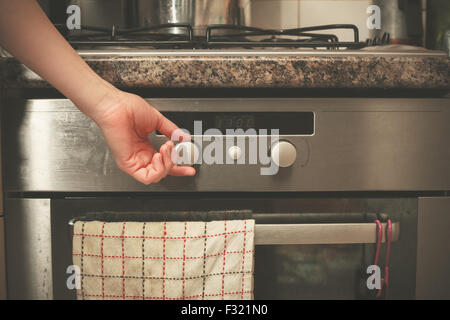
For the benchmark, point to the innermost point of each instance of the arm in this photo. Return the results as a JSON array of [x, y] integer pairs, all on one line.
[[124, 119]]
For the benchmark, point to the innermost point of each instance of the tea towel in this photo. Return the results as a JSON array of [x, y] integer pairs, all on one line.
[[164, 260]]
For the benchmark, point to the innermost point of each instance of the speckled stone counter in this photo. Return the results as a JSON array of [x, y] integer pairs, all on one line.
[[150, 69]]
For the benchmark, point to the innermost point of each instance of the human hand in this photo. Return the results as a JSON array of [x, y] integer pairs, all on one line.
[[126, 120]]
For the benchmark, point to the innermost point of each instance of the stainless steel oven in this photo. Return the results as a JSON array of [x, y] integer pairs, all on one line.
[[346, 162], [341, 144], [306, 247]]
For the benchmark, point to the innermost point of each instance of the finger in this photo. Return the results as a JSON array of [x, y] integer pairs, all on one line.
[[145, 157], [182, 171], [167, 163], [165, 126], [158, 166], [170, 129], [142, 175], [166, 151], [153, 172]]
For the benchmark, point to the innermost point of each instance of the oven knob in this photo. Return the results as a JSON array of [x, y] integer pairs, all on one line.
[[234, 152], [187, 153], [283, 154]]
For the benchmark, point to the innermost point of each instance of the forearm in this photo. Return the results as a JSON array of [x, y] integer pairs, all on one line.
[[124, 119], [27, 33]]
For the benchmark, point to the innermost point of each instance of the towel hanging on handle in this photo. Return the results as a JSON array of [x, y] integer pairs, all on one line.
[[164, 260]]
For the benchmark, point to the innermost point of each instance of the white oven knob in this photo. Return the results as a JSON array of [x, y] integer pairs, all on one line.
[[283, 154], [234, 152], [187, 153]]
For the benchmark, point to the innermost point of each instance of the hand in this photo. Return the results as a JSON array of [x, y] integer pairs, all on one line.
[[126, 120]]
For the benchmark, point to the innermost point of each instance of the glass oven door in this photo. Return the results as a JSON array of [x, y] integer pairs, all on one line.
[[306, 248]]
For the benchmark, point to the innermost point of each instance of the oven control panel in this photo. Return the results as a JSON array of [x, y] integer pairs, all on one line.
[[242, 145], [240, 137], [281, 153]]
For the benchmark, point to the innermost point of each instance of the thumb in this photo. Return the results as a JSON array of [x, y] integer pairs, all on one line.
[[170, 129], [164, 125]]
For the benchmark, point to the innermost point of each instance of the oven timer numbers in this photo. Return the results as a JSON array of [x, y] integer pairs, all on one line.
[[249, 309], [233, 122]]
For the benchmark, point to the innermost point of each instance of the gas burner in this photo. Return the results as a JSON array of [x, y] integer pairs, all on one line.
[[161, 36], [297, 38], [181, 36]]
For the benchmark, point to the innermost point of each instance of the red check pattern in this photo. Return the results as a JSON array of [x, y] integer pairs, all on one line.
[[165, 260]]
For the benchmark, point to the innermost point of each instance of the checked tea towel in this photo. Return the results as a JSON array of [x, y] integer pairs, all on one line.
[[164, 260]]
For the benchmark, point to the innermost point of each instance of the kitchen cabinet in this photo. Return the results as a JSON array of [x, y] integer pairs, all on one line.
[[433, 249]]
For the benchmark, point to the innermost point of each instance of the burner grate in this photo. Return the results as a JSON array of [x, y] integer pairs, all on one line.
[[161, 36], [278, 38], [181, 36]]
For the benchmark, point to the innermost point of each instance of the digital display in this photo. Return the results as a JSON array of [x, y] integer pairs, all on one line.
[[233, 121], [288, 123]]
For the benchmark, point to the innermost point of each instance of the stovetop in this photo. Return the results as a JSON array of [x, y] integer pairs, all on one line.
[[388, 50], [230, 40], [181, 36]]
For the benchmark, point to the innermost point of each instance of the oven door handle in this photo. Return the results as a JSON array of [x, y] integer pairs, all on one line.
[[321, 233]]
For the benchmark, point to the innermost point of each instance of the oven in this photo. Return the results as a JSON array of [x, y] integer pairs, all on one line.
[[351, 174], [320, 251]]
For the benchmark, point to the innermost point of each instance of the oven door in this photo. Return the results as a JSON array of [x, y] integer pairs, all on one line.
[[306, 248]]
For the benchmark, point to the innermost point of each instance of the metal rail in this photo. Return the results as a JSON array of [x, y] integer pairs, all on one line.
[[278, 229], [334, 233]]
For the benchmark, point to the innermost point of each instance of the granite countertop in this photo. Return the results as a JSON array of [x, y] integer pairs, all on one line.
[[388, 68]]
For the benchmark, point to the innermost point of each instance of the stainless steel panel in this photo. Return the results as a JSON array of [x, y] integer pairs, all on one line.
[[325, 233], [28, 249], [2, 231], [433, 249], [2, 261], [1, 167], [359, 144]]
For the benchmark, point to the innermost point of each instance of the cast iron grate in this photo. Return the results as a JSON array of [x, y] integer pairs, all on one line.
[[181, 36]]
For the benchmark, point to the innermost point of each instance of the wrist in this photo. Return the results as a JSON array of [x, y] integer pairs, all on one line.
[[96, 97]]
